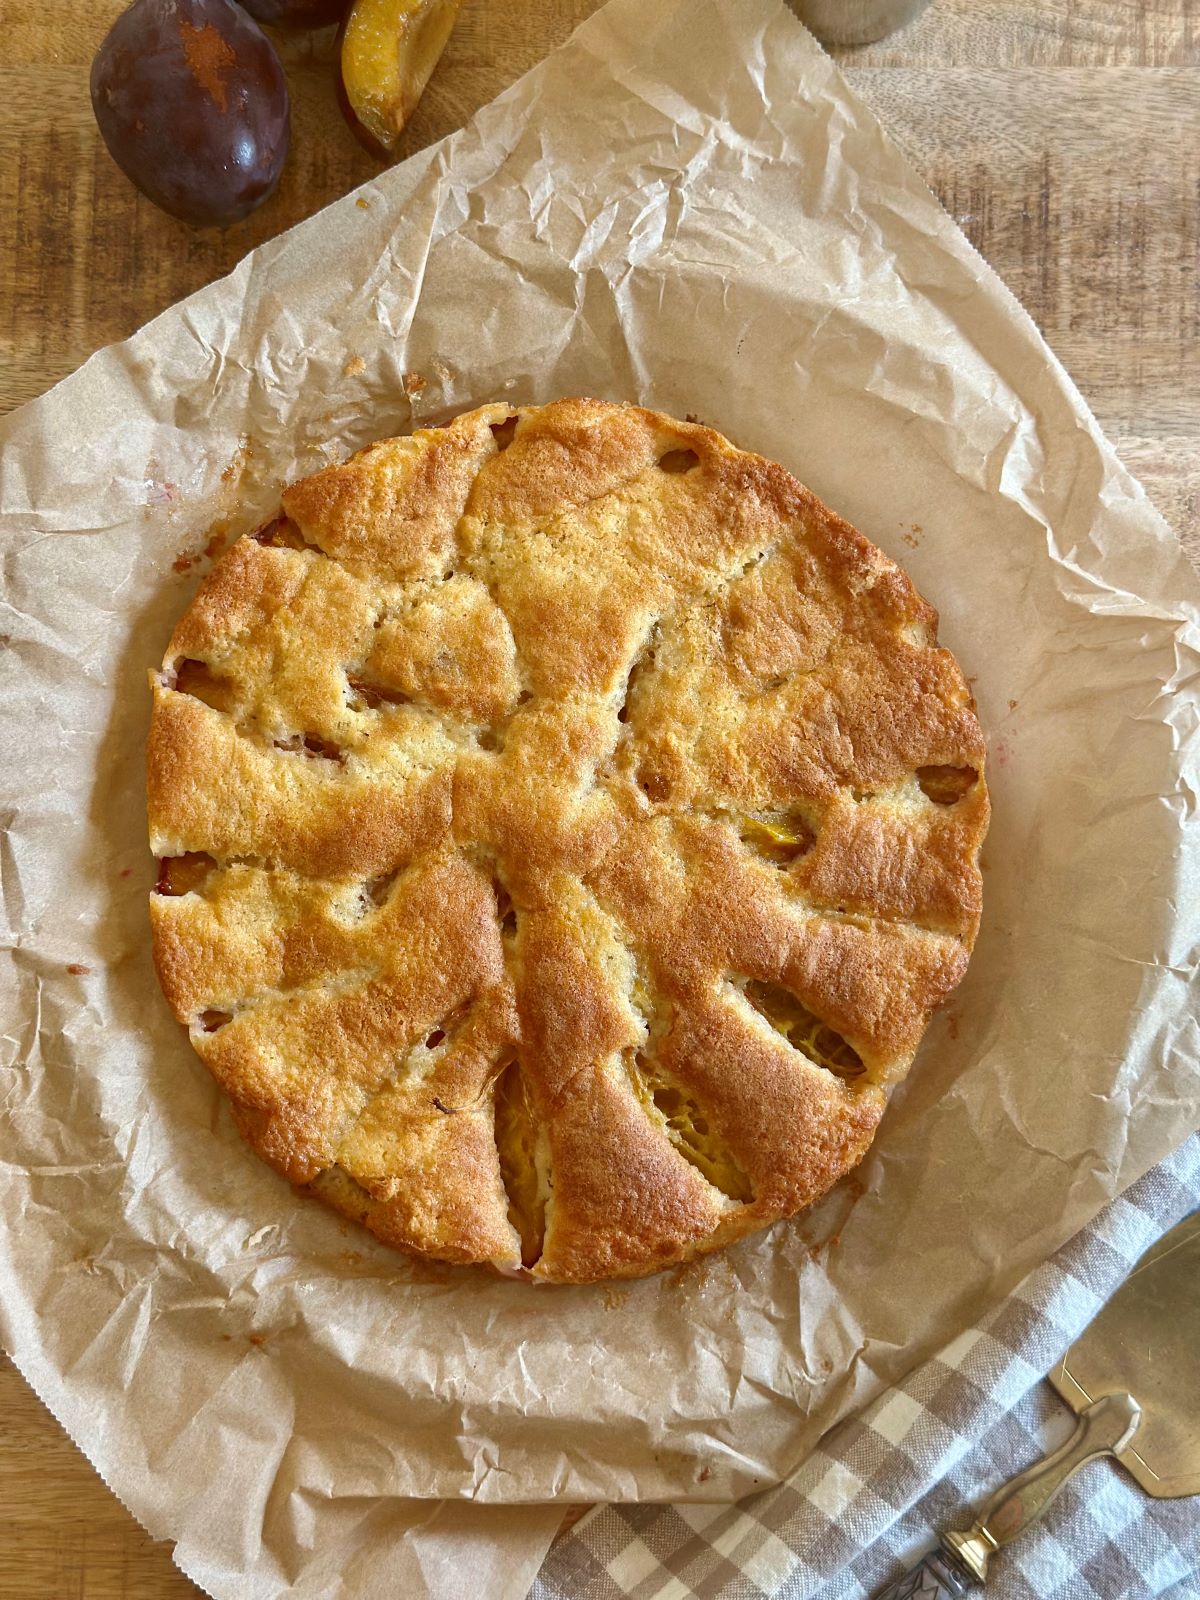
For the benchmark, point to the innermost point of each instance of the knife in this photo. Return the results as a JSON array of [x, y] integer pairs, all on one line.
[[1133, 1378]]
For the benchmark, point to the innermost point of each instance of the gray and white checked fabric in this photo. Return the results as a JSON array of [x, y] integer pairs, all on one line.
[[883, 1484]]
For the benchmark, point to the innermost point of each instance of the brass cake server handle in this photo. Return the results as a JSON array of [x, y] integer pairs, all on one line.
[[1104, 1427]]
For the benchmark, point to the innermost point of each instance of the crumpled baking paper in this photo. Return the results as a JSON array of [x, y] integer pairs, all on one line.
[[684, 206]]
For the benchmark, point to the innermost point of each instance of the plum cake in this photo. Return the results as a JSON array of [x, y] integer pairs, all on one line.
[[566, 826]]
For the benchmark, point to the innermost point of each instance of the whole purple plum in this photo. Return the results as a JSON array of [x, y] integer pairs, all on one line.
[[192, 103]]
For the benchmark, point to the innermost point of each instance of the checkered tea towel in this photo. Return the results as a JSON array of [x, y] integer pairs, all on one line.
[[921, 1457]]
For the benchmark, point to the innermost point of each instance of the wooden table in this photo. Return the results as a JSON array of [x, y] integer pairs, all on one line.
[[1064, 135]]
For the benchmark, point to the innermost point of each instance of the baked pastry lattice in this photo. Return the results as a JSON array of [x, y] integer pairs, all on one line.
[[567, 825]]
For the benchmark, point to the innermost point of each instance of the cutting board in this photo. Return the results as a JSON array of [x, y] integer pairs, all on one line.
[[1063, 136]]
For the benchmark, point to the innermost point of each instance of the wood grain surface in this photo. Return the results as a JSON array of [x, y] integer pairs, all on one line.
[[1064, 136]]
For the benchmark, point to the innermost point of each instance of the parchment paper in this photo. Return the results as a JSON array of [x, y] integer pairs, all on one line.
[[684, 206]]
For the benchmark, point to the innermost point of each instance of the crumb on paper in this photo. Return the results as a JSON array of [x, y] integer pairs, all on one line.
[[352, 1258], [363, 205], [851, 1189], [615, 1298], [258, 1339], [701, 1272], [689, 1273], [414, 384], [241, 459], [219, 532], [704, 1475], [913, 537], [441, 371], [353, 367], [77, 968], [1013, 704]]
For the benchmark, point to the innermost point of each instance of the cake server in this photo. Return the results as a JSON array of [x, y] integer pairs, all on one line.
[[1133, 1377]]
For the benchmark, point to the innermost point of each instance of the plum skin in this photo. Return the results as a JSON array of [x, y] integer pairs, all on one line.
[[192, 102], [298, 13]]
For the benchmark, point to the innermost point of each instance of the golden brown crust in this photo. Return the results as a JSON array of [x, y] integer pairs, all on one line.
[[568, 832]]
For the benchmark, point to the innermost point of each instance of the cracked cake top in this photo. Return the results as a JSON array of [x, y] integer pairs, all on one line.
[[567, 825]]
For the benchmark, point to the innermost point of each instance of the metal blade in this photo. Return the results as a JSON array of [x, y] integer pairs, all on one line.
[[1146, 1341]]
